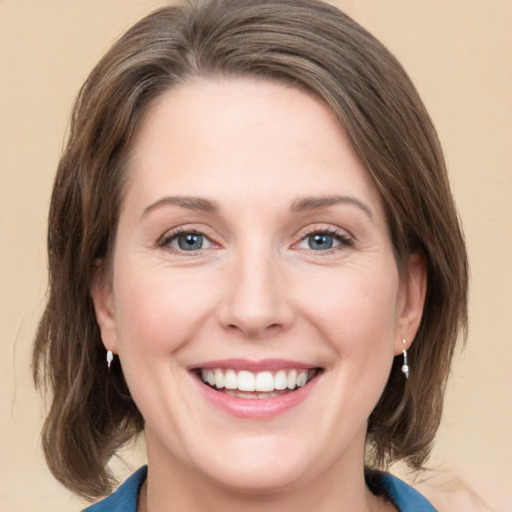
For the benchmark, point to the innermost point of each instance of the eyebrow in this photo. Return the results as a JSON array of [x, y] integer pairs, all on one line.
[[188, 202], [301, 204], [312, 202]]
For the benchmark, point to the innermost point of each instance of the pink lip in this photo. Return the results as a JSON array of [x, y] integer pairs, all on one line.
[[258, 408], [252, 366]]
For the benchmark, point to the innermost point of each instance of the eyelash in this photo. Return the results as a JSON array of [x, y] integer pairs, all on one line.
[[166, 239], [341, 237]]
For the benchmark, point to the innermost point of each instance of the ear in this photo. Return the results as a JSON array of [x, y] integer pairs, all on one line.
[[411, 301], [101, 294]]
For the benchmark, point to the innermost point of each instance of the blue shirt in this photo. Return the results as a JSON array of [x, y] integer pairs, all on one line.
[[125, 498]]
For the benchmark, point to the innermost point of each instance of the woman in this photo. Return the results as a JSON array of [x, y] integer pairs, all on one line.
[[256, 260]]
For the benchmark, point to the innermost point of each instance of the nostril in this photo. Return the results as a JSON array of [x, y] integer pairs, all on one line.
[[254, 330]]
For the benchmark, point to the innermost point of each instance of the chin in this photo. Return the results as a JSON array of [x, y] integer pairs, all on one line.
[[259, 465]]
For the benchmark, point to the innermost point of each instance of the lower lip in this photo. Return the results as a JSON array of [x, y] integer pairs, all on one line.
[[257, 408]]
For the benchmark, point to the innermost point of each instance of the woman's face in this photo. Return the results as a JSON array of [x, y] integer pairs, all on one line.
[[253, 253]]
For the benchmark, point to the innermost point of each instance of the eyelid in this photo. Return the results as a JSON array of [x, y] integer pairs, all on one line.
[[341, 235], [172, 234], [345, 238]]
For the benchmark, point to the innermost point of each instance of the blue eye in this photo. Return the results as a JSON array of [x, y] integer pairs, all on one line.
[[324, 241], [320, 241], [190, 242], [186, 241]]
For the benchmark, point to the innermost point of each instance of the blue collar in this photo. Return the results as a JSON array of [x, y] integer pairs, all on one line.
[[126, 496]]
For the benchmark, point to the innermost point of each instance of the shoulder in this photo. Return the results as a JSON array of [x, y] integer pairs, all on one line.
[[124, 499], [449, 491]]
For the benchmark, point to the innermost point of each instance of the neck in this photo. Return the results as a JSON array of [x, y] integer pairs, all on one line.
[[348, 492]]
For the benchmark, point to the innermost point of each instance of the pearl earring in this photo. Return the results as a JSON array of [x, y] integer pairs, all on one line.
[[405, 366], [110, 358]]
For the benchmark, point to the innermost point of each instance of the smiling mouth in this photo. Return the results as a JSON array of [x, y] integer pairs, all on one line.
[[256, 385]]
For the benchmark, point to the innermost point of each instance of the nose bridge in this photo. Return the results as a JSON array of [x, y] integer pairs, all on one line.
[[257, 301]]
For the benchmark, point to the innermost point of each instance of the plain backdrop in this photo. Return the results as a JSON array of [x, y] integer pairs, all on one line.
[[458, 53]]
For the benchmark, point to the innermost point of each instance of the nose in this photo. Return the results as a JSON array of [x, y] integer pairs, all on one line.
[[257, 303]]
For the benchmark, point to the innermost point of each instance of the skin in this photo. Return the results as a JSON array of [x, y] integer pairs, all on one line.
[[451, 492], [256, 290]]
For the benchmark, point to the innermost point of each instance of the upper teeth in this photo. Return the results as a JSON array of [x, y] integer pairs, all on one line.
[[262, 381]]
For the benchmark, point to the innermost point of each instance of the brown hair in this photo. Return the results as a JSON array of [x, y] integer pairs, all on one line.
[[306, 44]]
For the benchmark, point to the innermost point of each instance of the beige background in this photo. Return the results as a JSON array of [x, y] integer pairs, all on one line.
[[459, 53]]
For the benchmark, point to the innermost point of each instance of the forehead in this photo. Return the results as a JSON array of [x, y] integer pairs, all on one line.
[[244, 138]]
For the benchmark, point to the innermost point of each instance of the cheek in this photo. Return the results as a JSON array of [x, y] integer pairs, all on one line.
[[356, 309], [159, 311]]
